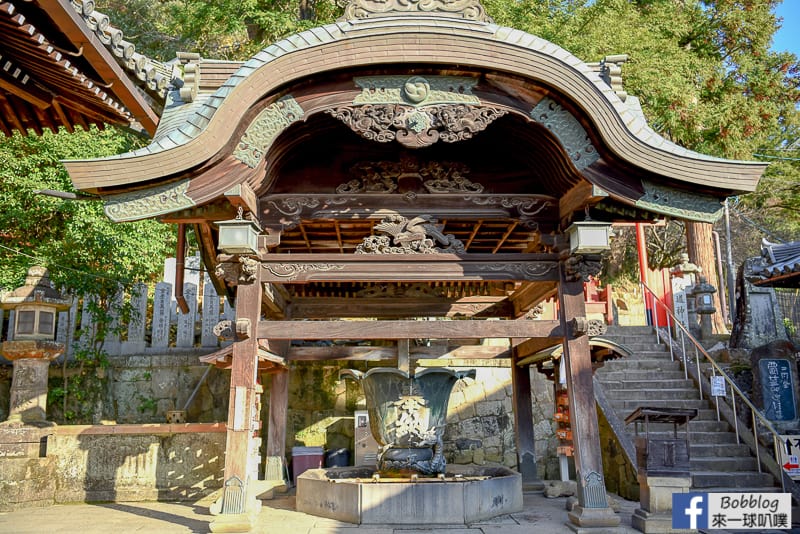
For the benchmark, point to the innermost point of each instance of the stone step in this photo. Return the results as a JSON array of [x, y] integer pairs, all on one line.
[[695, 425], [608, 374], [650, 354], [645, 345], [628, 405], [645, 395], [650, 377], [718, 450], [652, 385], [724, 463], [629, 330], [621, 364], [698, 438], [710, 479], [628, 340]]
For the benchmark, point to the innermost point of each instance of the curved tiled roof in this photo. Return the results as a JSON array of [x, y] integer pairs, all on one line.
[[436, 40]]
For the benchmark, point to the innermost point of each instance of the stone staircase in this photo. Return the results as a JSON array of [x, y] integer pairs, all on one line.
[[649, 378]]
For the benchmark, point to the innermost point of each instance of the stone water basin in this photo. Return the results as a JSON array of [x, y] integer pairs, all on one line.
[[464, 495]]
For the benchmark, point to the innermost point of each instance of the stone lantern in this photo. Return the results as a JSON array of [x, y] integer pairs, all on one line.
[[33, 346], [704, 305]]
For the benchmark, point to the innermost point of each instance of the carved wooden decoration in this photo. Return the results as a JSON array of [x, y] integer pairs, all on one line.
[[408, 267], [417, 127], [148, 202], [235, 272], [404, 236], [568, 130], [438, 177], [580, 267], [287, 210], [265, 128]]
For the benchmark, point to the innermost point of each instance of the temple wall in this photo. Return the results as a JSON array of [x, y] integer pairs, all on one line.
[[117, 463]]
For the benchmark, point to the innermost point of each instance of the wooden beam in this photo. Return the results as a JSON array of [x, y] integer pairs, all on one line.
[[530, 294], [408, 329], [532, 346], [26, 91], [274, 299], [242, 412], [374, 354], [408, 267], [580, 196], [366, 354], [283, 208], [392, 308]]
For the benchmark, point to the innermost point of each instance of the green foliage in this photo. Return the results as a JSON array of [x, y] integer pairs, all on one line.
[[220, 30], [83, 249], [704, 74], [147, 405]]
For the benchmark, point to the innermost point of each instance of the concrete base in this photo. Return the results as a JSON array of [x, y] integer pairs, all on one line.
[[655, 513], [655, 491], [594, 520], [654, 523], [465, 496]]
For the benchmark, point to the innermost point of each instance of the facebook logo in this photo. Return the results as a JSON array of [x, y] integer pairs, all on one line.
[[690, 510]]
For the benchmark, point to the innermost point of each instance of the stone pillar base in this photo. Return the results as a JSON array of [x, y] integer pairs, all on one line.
[[593, 520], [654, 522], [274, 468], [233, 522]]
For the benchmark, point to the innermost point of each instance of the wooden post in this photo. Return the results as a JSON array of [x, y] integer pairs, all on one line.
[[276, 433], [592, 509], [523, 423], [241, 443]]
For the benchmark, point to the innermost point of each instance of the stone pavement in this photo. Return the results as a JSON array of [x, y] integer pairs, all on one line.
[[540, 515]]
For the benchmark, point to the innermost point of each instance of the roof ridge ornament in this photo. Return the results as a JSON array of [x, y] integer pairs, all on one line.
[[463, 9]]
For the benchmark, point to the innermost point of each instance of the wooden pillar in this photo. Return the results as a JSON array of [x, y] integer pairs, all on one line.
[[592, 509], [523, 424], [241, 452], [276, 432]]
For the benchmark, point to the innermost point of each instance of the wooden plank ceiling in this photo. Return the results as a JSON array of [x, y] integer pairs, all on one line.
[[50, 80]]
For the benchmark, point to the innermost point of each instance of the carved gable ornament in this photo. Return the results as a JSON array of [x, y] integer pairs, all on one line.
[[678, 203], [150, 202], [416, 111], [466, 9], [568, 130], [265, 128]]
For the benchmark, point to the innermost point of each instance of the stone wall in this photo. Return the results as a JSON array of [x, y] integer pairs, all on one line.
[[142, 388], [619, 473], [480, 421], [123, 462]]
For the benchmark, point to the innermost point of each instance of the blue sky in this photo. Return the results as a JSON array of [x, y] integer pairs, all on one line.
[[788, 37]]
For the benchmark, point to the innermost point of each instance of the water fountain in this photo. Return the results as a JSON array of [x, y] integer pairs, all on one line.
[[411, 483]]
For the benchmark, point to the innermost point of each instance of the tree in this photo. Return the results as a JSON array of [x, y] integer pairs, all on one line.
[[82, 247]]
